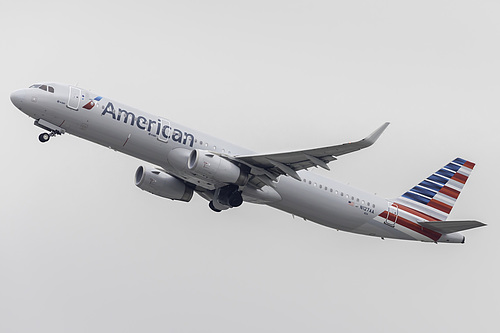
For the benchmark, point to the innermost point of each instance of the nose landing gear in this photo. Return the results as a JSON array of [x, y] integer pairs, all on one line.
[[44, 137], [53, 130]]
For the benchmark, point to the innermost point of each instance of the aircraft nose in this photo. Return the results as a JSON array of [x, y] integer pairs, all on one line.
[[17, 98]]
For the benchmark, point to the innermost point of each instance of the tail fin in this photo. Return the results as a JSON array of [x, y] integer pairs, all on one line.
[[434, 198]]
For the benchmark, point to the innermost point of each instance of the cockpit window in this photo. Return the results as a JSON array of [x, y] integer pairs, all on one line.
[[43, 87]]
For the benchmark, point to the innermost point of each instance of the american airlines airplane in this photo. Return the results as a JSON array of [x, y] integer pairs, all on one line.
[[187, 161]]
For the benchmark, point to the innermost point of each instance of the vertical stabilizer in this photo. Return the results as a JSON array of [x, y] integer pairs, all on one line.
[[434, 198]]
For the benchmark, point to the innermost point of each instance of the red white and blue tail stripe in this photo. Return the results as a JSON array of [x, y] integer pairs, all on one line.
[[434, 198]]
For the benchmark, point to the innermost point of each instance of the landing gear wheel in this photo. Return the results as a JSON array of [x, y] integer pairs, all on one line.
[[44, 137], [235, 199], [211, 205]]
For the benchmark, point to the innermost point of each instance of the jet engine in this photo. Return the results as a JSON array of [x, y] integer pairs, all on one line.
[[162, 184], [215, 168]]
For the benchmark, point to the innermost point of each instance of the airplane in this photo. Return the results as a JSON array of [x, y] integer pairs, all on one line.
[[184, 161]]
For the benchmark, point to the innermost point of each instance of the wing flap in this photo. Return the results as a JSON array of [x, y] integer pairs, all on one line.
[[448, 227]]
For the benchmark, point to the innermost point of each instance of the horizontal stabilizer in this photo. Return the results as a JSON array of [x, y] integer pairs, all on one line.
[[448, 227]]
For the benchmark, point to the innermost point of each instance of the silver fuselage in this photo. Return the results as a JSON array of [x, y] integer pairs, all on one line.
[[150, 138]]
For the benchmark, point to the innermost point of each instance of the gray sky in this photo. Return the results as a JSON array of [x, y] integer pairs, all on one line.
[[82, 249]]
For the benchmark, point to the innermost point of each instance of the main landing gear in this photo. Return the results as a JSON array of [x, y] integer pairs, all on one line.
[[226, 197], [212, 207]]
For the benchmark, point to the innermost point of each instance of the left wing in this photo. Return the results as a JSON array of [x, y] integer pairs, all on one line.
[[267, 167]]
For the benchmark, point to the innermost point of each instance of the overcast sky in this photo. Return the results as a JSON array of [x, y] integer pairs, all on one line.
[[83, 250]]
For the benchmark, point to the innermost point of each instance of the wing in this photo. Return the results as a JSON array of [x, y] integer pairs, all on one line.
[[267, 167]]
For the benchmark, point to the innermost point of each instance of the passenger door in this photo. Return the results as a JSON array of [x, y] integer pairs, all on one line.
[[74, 98]]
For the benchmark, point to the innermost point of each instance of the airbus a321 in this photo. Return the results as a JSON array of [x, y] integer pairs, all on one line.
[[184, 161]]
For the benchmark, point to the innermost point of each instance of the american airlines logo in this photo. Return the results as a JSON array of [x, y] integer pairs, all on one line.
[[92, 103], [153, 127]]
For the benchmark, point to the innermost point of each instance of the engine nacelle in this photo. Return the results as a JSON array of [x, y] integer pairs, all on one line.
[[162, 184], [215, 168]]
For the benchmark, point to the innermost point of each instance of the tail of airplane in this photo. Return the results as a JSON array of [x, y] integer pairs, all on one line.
[[436, 195], [431, 201]]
